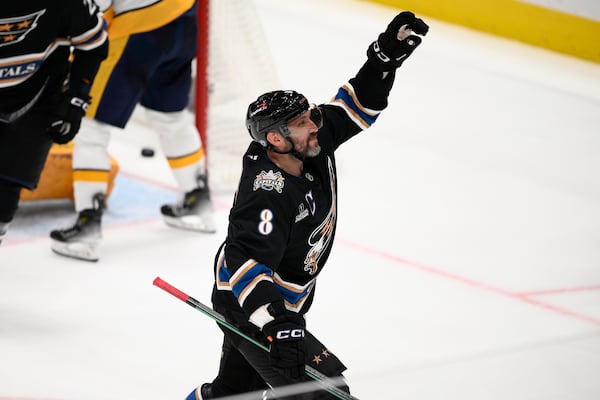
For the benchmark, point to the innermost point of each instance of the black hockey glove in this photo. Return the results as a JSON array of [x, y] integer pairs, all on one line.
[[66, 120], [390, 50], [288, 349]]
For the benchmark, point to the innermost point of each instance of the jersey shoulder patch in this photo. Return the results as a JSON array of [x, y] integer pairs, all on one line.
[[259, 173], [269, 181]]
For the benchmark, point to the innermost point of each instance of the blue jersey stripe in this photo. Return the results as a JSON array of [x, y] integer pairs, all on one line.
[[348, 100], [247, 280], [293, 297]]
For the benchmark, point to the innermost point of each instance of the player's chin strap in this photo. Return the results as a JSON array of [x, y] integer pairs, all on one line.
[[291, 151], [285, 132]]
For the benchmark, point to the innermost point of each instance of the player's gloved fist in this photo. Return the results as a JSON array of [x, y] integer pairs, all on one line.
[[397, 43], [288, 350], [66, 120]]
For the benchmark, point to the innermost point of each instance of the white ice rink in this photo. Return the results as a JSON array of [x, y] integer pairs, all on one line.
[[467, 261]]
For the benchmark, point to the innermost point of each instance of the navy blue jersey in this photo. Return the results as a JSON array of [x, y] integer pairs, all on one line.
[[281, 227]]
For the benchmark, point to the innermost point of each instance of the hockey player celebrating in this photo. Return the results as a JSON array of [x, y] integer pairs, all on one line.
[[283, 221], [43, 95]]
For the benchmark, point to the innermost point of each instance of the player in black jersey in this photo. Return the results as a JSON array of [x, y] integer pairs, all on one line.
[[283, 220], [50, 51]]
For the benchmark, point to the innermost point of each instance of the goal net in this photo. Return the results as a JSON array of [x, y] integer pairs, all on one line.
[[234, 66]]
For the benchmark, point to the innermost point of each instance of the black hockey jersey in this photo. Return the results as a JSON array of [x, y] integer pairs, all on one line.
[[281, 227], [36, 37]]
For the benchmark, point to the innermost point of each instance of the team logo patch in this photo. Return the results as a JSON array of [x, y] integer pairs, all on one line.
[[269, 181], [302, 212], [14, 30]]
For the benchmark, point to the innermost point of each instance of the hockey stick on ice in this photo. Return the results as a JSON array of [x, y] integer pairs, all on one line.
[[323, 380]]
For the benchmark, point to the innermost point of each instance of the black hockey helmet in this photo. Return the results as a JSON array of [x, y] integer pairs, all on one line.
[[272, 111]]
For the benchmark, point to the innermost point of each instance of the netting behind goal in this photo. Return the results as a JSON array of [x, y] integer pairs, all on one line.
[[239, 67]]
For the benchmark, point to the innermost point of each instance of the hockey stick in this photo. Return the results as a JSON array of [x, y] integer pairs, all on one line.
[[323, 380]]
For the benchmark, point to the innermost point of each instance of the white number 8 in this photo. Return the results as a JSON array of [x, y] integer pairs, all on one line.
[[265, 226]]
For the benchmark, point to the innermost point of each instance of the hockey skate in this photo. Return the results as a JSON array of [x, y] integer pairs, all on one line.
[[193, 213], [82, 240]]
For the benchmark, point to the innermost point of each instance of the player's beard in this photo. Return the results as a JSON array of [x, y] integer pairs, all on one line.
[[309, 150], [312, 150]]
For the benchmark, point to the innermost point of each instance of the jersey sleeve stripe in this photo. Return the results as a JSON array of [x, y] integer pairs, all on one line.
[[347, 100], [92, 38], [292, 299], [241, 271], [294, 295], [292, 287], [222, 275], [245, 279], [349, 89]]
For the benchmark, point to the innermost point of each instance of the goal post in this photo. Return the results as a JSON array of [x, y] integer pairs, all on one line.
[[201, 88]]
